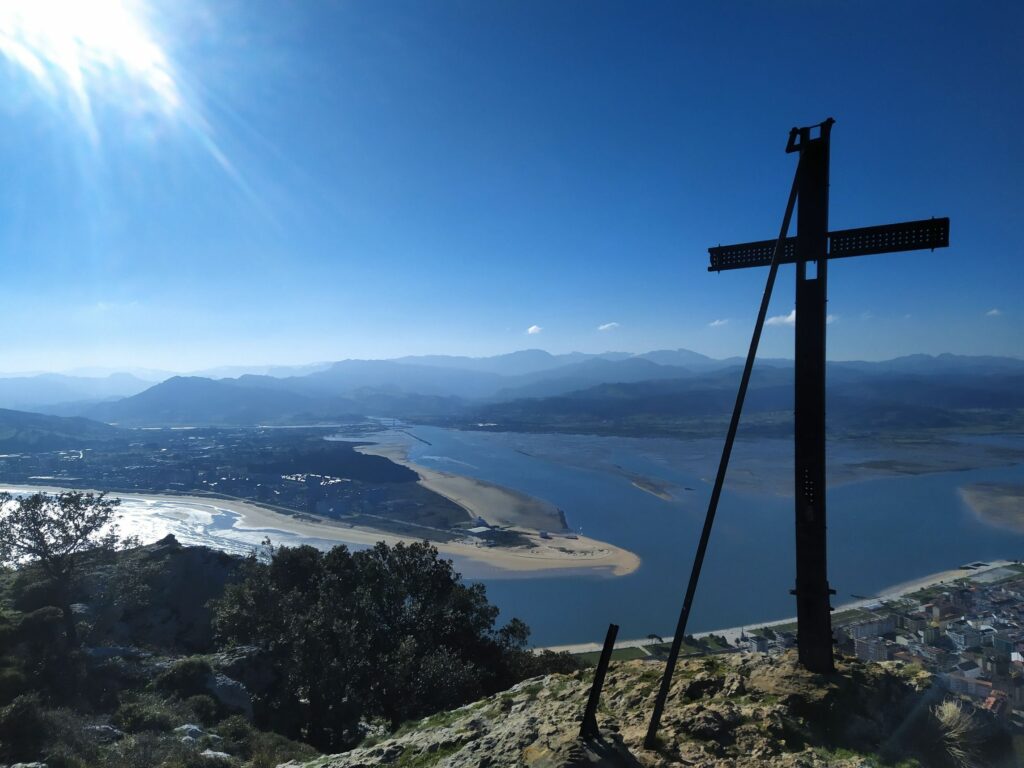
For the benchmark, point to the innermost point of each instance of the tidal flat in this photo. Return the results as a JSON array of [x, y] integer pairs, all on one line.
[[998, 504]]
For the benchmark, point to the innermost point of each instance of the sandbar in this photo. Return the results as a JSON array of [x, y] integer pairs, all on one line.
[[998, 504], [497, 505], [652, 487], [514, 511]]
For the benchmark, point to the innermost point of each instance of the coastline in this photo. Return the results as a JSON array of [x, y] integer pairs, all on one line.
[[497, 505], [893, 592], [546, 555], [527, 516]]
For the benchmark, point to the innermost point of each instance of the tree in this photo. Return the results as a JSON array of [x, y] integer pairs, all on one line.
[[388, 632], [54, 532]]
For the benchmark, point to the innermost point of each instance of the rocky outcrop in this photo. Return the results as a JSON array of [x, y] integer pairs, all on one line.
[[735, 711]]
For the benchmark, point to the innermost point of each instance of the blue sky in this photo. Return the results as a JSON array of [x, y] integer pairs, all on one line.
[[237, 182]]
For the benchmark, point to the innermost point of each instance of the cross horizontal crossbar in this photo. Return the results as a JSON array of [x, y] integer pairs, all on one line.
[[887, 238]]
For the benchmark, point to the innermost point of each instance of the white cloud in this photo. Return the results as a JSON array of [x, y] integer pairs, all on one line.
[[534, 330], [719, 323], [867, 315], [993, 312], [789, 319], [607, 326]]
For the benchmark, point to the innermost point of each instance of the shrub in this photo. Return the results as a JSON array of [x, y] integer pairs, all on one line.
[[185, 678], [329, 622], [960, 731], [237, 734], [12, 684], [42, 629], [260, 749], [31, 594], [65, 759], [269, 750], [147, 713], [8, 634], [143, 751], [22, 728], [66, 741], [205, 708], [189, 758]]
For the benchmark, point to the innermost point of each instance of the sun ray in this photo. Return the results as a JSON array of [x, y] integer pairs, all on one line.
[[84, 55], [79, 51]]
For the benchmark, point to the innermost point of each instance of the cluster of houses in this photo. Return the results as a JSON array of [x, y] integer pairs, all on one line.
[[969, 634]]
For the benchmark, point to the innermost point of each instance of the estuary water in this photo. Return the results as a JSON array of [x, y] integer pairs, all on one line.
[[882, 531], [650, 496]]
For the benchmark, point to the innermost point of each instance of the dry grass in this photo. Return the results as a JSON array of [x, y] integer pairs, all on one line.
[[959, 732]]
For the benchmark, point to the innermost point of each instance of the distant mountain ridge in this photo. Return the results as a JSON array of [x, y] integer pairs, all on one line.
[[859, 399], [27, 393], [495, 388]]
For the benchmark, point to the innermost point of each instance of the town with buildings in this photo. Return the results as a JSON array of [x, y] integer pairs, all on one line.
[[968, 632], [296, 471]]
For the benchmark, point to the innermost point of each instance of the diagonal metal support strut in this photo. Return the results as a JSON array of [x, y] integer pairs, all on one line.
[[650, 742]]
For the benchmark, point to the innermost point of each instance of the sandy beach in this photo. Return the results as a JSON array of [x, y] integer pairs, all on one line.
[[497, 505], [518, 512], [557, 553]]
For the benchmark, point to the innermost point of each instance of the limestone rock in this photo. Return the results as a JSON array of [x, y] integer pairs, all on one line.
[[104, 733], [727, 711], [231, 693], [189, 730], [214, 756]]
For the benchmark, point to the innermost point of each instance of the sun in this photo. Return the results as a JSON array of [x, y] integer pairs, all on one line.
[[81, 50]]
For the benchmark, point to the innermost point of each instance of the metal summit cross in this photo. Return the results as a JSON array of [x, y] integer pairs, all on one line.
[[810, 250], [814, 246]]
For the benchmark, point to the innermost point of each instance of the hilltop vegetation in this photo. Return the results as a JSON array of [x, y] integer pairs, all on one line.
[[190, 658], [174, 656], [741, 711]]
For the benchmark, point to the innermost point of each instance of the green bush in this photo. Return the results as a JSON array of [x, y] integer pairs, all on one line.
[[67, 743], [237, 734], [147, 713], [65, 759], [8, 633], [12, 684], [184, 678], [260, 749], [188, 758], [328, 622], [269, 750], [205, 708], [145, 750], [42, 629], [22, 729], [31, 594]]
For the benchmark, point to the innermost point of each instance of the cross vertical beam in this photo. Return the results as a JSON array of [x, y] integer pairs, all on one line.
[[813, 609]]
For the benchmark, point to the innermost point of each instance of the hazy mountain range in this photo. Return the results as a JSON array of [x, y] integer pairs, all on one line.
[[528, 389]]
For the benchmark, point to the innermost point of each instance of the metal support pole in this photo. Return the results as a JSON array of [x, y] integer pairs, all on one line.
[[589, 726], [651, 740]]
